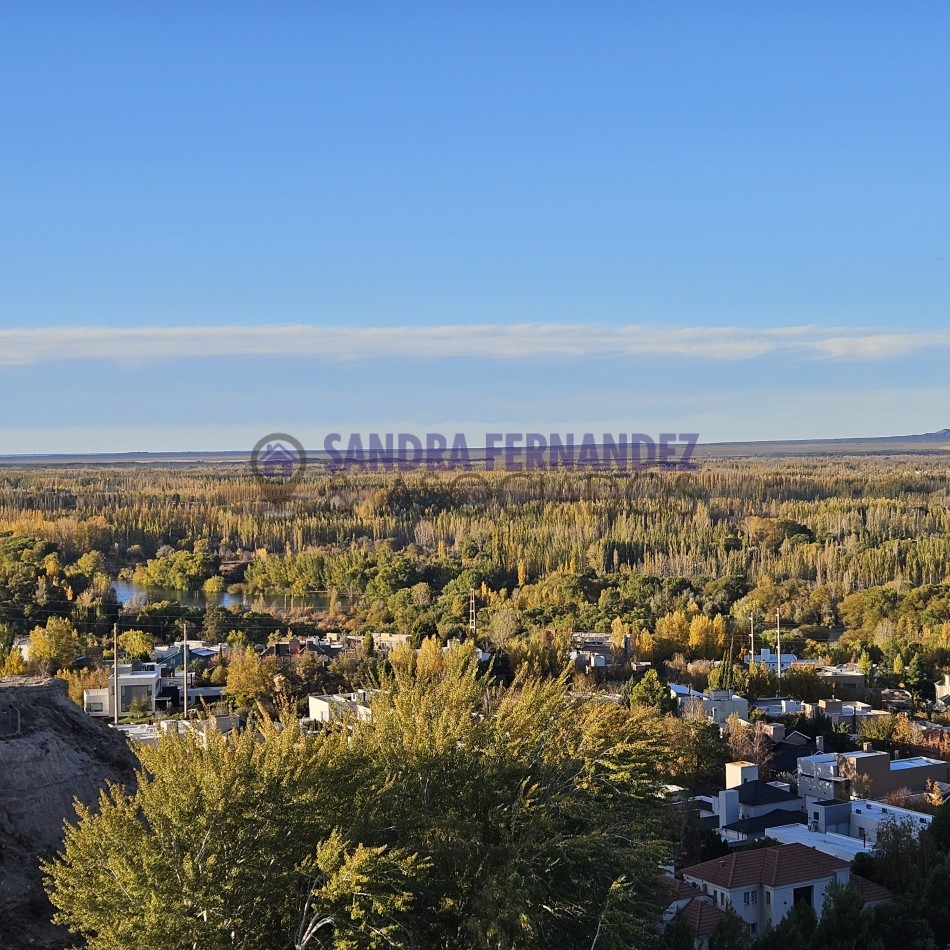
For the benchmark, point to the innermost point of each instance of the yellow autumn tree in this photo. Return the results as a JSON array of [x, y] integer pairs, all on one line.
[[53, 646], [13, 664], [402, 658], [618, 634], [429, 662], [77, 681], [644, 645], [701, 635], [719, 632], [674, 628], [251, 679]]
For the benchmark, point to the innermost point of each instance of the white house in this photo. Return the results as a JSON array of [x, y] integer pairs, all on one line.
[[717, 704], [942, 689], [840, 713], [134, 684], [831, 775], [861, 818], [846, 829], [747, 806], [331, 707], [763, 885], [769, 659]]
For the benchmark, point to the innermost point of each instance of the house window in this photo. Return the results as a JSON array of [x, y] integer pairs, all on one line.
[[722, 898], [803, 895], [746, 897], [753, 928], [755, 897], [768, 897], [95, 707]]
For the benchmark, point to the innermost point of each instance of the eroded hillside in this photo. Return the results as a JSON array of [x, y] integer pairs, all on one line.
[[59, 754]]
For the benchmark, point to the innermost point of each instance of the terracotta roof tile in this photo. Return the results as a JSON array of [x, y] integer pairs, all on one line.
[[774, 867], [870, 892], [703, 916], [670, 889]]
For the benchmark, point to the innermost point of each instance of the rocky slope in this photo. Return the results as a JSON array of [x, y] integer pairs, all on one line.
[[60, 754]]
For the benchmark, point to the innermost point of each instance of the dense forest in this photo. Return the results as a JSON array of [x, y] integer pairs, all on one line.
[[852, 555]]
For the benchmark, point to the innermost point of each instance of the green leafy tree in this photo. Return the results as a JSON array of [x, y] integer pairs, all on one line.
[[235, 818], [841, 919], [650, 691], [215, 624], [139, 706], [939, 829], [250, 678], [359, 896], [137, 644], [460, 815], [761, 681], [915, 675], [901, 857], [898, 925], [697, 752], [731, 933], [681, 935], [480, 799], [55, 645], [795, 931], [936, 888]]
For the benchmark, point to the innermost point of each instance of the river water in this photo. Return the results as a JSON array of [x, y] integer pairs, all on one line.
[[127, 591]]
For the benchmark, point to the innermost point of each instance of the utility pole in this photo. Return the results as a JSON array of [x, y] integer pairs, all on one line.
[[471, 613], [184, 678], [751, 639], [115, 672], [778, 642]]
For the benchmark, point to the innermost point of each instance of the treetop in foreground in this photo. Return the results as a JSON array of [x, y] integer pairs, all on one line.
[[463, 815]]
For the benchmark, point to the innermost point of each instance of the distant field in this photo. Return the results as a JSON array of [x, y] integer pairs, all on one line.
[[931, 443]]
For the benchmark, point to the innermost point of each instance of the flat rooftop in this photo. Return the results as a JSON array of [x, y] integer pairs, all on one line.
[[915, 762], [838, 846]]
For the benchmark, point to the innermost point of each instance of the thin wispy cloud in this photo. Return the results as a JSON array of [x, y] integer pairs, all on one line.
[[485, 341]]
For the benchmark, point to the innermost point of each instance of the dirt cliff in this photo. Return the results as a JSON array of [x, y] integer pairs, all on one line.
[[59, 754]]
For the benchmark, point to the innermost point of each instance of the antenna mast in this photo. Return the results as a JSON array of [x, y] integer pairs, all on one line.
[[778, 642], [115, 671], [184, 647], [471, 613]]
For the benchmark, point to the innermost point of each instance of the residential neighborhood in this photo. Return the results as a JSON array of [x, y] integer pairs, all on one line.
[[792, 822]]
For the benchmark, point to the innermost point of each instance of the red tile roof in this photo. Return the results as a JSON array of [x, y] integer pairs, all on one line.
[[870, 892], [703, 916], [774, 867], [672, 889]]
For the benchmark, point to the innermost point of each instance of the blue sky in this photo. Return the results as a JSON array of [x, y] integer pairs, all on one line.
[[223, 219]]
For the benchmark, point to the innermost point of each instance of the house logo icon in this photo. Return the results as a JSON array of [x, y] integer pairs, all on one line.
[[277, 463]]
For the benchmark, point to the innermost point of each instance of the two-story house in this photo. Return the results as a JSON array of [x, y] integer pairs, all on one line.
[[840, 775], [137, 681], [763, 885]]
